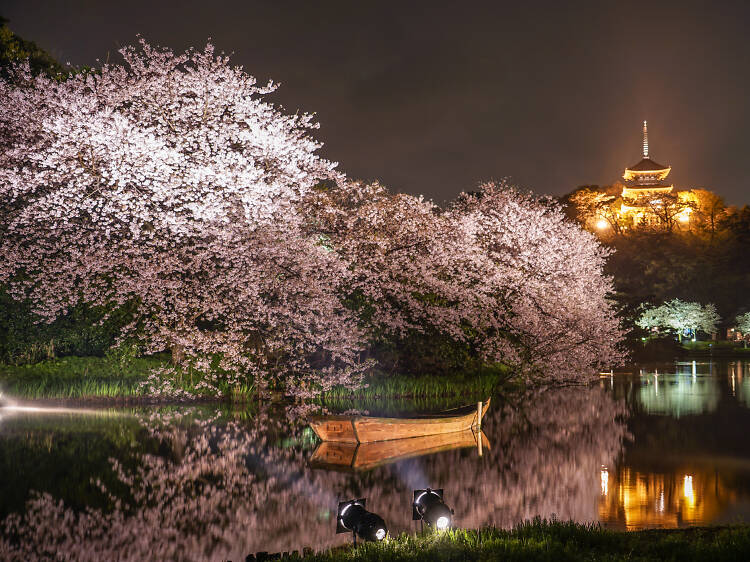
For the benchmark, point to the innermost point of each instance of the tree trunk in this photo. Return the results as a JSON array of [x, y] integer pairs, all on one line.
[[178, 354]]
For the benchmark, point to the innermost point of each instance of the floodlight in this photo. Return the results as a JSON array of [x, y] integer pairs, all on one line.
[[429, 507], [353, 517]]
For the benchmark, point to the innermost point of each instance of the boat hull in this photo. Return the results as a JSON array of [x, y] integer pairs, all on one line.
[[365, 429], [355, 457]]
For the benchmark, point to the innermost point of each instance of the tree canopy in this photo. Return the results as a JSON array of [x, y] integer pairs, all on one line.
[[681, 317], [166, 184]]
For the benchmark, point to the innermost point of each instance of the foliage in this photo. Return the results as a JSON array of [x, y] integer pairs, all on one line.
[[668, 209], [681, 317], [166, 187], [14, 49], [118, 376], [83, 331], [379, 385], [500, 274], [742, 322], [167, 182], [593, 205], [77, 377], [703, 260], [710, 210]]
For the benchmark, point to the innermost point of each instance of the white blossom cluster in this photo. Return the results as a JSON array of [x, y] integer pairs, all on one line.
[[680, 316], [167, 183], [500, 270]]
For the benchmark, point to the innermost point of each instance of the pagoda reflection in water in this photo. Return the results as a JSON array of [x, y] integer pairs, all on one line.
[[689, 460], [634, 500]]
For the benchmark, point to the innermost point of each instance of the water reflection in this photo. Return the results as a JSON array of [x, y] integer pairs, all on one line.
[[641, 499], [210, 485], [688, 390], [689, 462], [665, 446]]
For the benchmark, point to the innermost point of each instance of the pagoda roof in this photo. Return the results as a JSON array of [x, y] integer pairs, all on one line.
[[647, 165]]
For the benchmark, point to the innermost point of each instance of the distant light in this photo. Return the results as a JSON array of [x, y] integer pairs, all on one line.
[[687, 488], [601, 224]]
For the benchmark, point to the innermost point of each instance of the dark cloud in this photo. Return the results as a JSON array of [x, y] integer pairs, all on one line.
[[432, 97]]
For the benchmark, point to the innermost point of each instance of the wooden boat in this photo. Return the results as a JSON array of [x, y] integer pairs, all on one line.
[[365, 429], [355, 457]]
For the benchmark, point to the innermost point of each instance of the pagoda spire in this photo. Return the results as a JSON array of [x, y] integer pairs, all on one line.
[[645, 140]]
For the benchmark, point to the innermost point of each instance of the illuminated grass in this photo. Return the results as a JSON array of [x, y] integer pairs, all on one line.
[[83, 378], [75, 378], [425, 387], [554, 541], [86, 378]]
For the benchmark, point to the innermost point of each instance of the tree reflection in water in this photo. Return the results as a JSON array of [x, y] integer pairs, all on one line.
[[222, 489]]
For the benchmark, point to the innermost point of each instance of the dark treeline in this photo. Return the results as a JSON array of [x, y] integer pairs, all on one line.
[[14, 49], [703, 259]]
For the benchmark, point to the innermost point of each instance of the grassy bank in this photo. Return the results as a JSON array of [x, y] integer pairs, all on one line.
[[100, 379], [107, 378], [555, 541], [720, 348], [77, 378], [479, 384]]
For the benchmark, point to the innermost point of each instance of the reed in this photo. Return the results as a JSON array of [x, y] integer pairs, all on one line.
[[76, 378], [423, 387], [112, 377], [85, 378]]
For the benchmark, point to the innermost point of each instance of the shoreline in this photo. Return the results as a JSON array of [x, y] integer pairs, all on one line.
[[95, 381], [551, 540]]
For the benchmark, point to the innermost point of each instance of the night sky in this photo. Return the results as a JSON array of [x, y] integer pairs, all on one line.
[[434, 97]]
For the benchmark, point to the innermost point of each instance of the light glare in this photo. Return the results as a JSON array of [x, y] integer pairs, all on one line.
[[442, 523]]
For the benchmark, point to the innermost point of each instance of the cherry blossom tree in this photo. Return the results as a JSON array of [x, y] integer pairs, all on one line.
[[169, 182], [541, 300], [401, 249], [743, 322], [500, 271], [681, 317]]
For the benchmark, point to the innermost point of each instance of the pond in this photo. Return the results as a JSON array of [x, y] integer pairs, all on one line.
[[664, 446]]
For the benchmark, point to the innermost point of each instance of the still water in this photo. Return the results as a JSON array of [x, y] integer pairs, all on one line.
[[665, 446]]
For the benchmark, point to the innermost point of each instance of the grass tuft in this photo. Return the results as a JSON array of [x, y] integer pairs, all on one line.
[[426, 387], [553, 541]]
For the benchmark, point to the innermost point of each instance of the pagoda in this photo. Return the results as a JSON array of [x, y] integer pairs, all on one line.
[[646, 178], [644, 187]]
